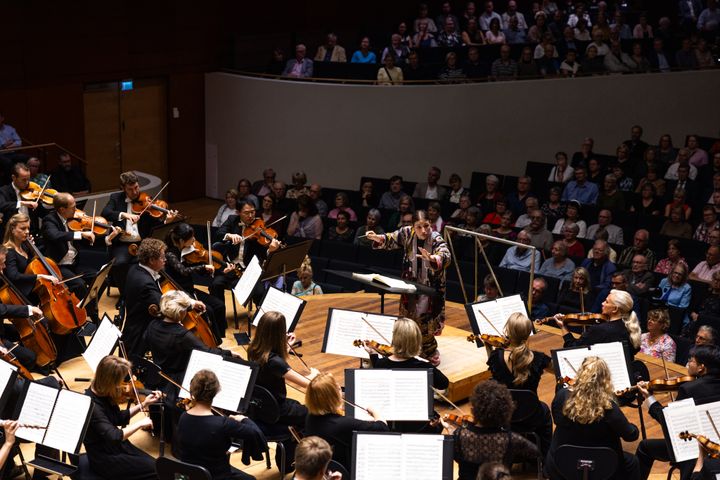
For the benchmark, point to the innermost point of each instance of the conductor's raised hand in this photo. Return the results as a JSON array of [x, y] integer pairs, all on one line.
[[374, 237], [425, 255]]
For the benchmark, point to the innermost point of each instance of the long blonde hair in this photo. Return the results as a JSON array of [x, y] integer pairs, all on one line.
[[623, 300], [14, 221], [517, 329], [591, 394]]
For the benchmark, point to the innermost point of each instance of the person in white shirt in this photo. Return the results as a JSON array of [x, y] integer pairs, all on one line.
[[615, 233]]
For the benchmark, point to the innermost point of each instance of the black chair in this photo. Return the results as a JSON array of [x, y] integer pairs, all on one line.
[[527, 405], [587, 463], [335, 466], [683, 346], [265, 412], [677, 316], [171, 469], [83, 471]]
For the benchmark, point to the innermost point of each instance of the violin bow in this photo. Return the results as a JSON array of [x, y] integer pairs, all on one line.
[[490, 323], [582, 300], [570, 365], [44, 187], [153, 199], [209, 244], [92, 224], [124, 354], [441, 395], [276, 221], [3, 424], [364, 319], [667, 376], [298, 357], [712, 422]]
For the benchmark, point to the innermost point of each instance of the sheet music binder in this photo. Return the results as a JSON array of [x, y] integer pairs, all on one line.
[[351, 389], [589, 349], [9, 373], [505, 304], [262, 309], [446, 460], [372, 335]]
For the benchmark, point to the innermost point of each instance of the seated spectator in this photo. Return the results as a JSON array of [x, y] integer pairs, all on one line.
[[495, 217], [641, 239], [283, 203], [540, 236], [570, 233], [414, 70], [685, 58], [458, 216], [561, 172], [548, 64], [389, 74], [611, 197], [576, 295], [526, 65], [567, 42], [666, 152], [368, 199], [654, 179], [490, 290], [539, 308], [36, 173], [714, 238], [547, 40], [572, 215], [531, 206], [486, 200], [710, 222], [656, 342], [674, 256], [505, 230], [504, 68], [520, 258], [472, 221], [67, 177], [710, 303], [536, 32], [558, 266], [676, 225], [437, 224], [487, 16], [642, 64], [514, 34], [679, 201], [647, 203], [583, 156], [390, 199], [643, 30], [400, 52], [659, 59], [405, 206], [513, 13], [640, 279], [315, 194], [675, 289], [331, 51], [300, 66], [494, 35], [271, 215], [423, 17], [703, 55], [553, 208], [580, 189], [244, 195], [570, 66], [405, 35], [305, 221], [592, 63], [602, 25], [596, 172], [708, 21], [9, 137], [277, 62], [451, 72], [615, 233], [684, 179], [697, 156], [617, 61], [599, 266], [305, 285], [260, 188], [342, 204], [226, 209], [704, 270], [578, 13], [620, 29], [557, 24], [341, 232], [516, 200], [456, 191], [470, 13], [603, 235], [581, 32], [424, 38], [364, 54], [372, 224], [449, 36], [599, 43], [299, 179], [446, 12], [707, 335], [473, 66]]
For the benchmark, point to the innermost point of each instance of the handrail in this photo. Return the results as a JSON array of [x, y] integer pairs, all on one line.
[[30, 146]]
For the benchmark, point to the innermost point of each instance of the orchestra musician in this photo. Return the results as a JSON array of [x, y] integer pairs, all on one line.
[[518, 367], [704, 363], [119, 210], [312, 458], [323, 399], [587, 414], [9, 429], [425, 258], [205, 438], [109, 452], [11, 203]]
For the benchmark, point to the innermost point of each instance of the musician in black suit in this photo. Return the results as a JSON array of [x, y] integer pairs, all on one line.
[[135, 227], [10, 201], [705, 364]]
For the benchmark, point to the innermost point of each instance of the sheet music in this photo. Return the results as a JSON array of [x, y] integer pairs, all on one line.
[[422, 456], [102, 344], [683, 417], [395, 394], [6, 371], [575, 357], [612, 353], [705, 424], [36, 410], [68, 421], [245, 285], [279, 301], [233, 378], [387, 281], [497, 312], [199, 360], [347, 326], [376, 457]]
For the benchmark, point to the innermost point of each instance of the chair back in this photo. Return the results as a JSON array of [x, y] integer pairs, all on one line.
[[526, 405], [168, 468], [263, 406], [588, 463], [335, 466]]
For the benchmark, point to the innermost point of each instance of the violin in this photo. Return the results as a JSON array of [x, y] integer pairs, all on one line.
[[258, 231], [32, 194], [81, 223], [12, 359], [660, 385], [33, 334], [59, 305], [566, 381], [384, 350], [497, 341], [200, 256], [711, 447], [145, 204], [458, 420], [582, 319], [130, 386]]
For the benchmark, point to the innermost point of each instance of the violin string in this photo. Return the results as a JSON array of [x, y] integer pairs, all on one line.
[[152, 200]]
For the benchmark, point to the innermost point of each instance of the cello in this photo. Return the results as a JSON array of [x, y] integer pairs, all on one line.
[[59, 305], [33, 334]]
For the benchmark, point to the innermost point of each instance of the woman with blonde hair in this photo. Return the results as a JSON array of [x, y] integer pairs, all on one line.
[[517, 367], [656, 342], [587, 414], [622, 324], [19, 254], [324, 402], [576, 295]]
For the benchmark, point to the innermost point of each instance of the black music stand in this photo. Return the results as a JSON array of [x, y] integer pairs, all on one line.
[[94, 294], [285, 260]]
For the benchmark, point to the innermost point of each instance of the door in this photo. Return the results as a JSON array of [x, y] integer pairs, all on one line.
[[102, 135]]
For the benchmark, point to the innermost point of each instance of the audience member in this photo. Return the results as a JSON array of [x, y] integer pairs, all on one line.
[[643, 30], [494, 35], [300, 66], [364, 54], [405, 205], [520, 258], [315, 194], [342, 204], [539, 308], [449, 37], [656, 342], [389, 74], [675, 289], [36, 174], [707, 335], [558, 266], [458, 216], [372, 224], [708, 22], [423, 17], [330, 51], [576, 295], [271, 215], [400, 52], [514, 35], [710, 222], [423, 38], [504, 68], [390, 199], [599, 266], [548, 64], [647, 203], [561, 172], [611, 197], [260, 188], [540, 236], [592, 63], [685, 57], [642, 64], [570, 67], [574, 247], [68, 177], [676, 225], [615, 233], [414, 70], [581, 31], [704, 270], [445, 14], [595, 172], [474, 67], [516, 199], [641, 239], [659, 59], [710, 303], [640, 279], [505, 229], [553, 208], [617, 61], [243, 193], [573, 211], [226, 209], [341, 232], [580, 190], [487, 16], [368, 199], [526, 65], [305, 285], [283, 203], [531, 205], [619, 29], [437, 224], [305, 221], [674, 256], [697, 156], [456, 191], [512, 12], [299, 179], [490, 290], [487, 199], [535, 32]]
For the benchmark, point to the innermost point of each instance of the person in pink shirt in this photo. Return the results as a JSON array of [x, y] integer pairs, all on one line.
[[698, 156]]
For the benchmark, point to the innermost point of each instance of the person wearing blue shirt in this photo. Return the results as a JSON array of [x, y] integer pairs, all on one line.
[[599, 266], [580, 189], [558, 266], [364, 55], [676, 291], [518, 258]]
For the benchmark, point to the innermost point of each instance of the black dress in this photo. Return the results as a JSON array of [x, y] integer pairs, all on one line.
[[15, 266], [272, 377], [205, 440], [605, 332], [338, 431], [109, 455]]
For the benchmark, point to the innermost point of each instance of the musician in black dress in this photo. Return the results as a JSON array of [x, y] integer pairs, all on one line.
[[517, 367], [324, 402], [110, 453], [205, 437], [180, 242]]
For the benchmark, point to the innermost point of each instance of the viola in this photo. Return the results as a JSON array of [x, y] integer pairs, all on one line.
[[200, 255], [145, 204], [583, 319], [497, 341], [382, 349], [59, 305], [32, 194], [711, 447], [33, 335], [458, 420], [258, 231], [81, 222], [660, 385]]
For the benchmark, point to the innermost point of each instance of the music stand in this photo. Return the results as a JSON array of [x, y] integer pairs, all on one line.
[[286, 260]]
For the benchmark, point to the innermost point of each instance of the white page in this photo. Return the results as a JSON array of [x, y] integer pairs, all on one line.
[[614, 355], [393, 283], [279, 301], [491, 317], [569, 361], [199, 360], [36, 410], [422, 456], [683, 418], [6, 371], [68, 420], [377, 457], [395, 394], [244, 287], [706, 427], [102, 343], [234, 379], [347, 326]]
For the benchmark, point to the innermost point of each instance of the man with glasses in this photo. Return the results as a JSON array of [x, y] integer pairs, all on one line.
[[540, 236], [520, 258], [315, 194], [615, 233], [580, 190], [639, 247], [600, 267], [640, 279], [262, 187]]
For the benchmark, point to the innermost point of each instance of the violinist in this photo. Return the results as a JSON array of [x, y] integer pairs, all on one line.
[[312, 459], [622, 324], [180, 243], [11, 201], [704, 363], [119, 210], [109, 452], [323, 399], [520, 368], [204, 438]]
